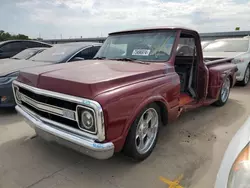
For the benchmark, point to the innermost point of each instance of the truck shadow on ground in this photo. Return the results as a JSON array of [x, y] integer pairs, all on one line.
[[183, 147], [189, 141], [9, 116]]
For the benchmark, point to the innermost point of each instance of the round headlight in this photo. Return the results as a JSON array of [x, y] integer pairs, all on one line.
[[240, 173], [87, 120]]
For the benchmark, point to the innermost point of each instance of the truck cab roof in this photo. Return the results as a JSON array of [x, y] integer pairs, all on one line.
[[154, 28]]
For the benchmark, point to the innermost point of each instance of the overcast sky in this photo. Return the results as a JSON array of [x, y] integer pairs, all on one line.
[[92, 18]]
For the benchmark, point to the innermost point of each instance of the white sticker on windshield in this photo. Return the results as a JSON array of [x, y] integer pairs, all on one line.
[[142, 52]]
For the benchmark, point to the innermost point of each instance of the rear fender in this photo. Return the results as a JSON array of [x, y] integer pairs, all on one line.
[[217, 75]]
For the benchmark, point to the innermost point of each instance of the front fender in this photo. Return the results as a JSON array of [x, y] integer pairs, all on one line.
[[157, 99], [121, 106]]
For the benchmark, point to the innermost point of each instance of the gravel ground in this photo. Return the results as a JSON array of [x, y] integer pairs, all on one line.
[[193, 146]]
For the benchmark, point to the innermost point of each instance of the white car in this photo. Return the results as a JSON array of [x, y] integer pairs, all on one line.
[[237, 48], [234, 171], [205, 43]]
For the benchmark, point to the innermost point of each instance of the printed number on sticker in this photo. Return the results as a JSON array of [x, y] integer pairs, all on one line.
[[142, 52]]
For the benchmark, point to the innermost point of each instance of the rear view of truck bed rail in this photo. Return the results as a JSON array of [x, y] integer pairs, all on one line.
[[218, 61]]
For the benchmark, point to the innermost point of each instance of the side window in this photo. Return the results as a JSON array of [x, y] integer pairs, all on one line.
[[12, 47], [184, 51], [6, 47], [30, 44], [88, 53], [37, 44], [44, 45], [95, 50], [186, 46], [26, 44]]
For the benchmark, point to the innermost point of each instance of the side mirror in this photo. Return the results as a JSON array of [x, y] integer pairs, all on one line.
[[77, 59]]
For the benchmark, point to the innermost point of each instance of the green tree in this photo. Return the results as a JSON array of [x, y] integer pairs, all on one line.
[[7, 36]]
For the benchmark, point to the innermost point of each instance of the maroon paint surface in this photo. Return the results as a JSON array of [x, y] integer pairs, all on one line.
[[124, 88]]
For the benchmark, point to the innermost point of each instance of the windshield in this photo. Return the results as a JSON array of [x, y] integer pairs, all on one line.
[[147, 46], [56, 53], [228, 46], [26, 54]]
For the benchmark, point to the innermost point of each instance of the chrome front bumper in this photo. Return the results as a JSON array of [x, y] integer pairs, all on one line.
[[82, 144]]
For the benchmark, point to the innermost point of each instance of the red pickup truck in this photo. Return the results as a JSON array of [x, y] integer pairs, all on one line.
[[138, 81]]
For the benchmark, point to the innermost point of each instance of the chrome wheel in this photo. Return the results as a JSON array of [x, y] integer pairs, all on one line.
[[146, 131], [225, 90], [247, 75]]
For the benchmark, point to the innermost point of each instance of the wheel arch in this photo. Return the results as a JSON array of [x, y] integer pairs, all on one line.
[[159, 101], [231, 80], [163, 112]]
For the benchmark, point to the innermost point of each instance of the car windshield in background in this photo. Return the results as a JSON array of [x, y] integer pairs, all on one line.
[[143, 46], [56, 54], [204, 43], [228, 46], [26, 54]]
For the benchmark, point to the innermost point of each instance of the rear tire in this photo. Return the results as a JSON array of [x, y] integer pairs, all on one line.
[[246, 79], [224, 93], [143, 133]]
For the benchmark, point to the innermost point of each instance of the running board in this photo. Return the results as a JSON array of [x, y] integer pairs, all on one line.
[[185, 99], [195, 105]]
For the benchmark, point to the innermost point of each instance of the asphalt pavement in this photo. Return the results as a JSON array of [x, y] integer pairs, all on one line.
[[188, 153]]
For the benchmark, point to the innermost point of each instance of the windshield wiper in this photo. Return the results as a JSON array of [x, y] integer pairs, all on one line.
[[100, 58], [14, 58], [131, 60]]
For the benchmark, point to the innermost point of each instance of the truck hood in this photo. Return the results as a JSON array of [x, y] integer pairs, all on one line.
[[221, 54], [91, 77], [8, 66]]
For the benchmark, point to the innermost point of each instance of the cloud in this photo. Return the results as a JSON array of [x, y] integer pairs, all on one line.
[[93, 17]]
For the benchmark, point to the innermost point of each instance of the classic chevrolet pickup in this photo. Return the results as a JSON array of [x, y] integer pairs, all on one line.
[[138, 81]]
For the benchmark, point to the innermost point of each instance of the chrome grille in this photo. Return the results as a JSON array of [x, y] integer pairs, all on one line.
[[69, 114], [59, 108], [54, 110], [49, 100], [42, 105]]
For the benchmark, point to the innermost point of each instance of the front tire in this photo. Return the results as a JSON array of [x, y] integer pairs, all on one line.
[[143, 134], [246, 79], [224, 93]]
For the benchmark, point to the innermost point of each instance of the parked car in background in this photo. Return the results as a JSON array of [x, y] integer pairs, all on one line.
[[234, 170], [118, 101], [28, 53], [12, 47], [67, 52], [60, 53], [205, 43], [236, 48], [25, 54]]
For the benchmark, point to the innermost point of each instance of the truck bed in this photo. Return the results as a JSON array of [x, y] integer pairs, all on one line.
[[214, 61]]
